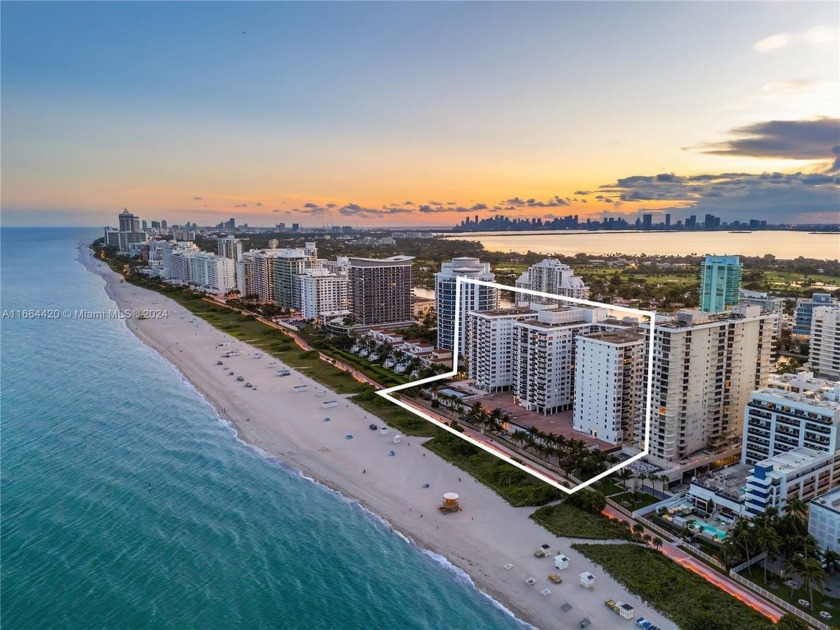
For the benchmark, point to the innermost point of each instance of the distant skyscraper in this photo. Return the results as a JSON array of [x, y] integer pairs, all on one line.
[[691, 222], [163, 224], [474, 297], [230, 247], [129, 222], [667, 221], [647, 221], [720, 283]]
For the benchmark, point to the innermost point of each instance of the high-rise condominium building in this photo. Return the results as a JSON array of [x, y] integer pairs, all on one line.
[[824, 354], [322, 292], [608, 384], [474, 297], [380, 289], [552, 276], [769, 305], [704, 368], [720, 283], [255, 274], [805, 311], [490, 346], [544, 356], [204, 270], [287, 264], [805, 413], [230, 247], [129, 222]]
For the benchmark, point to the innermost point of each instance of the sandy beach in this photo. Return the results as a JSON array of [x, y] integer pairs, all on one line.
[[481, 539]]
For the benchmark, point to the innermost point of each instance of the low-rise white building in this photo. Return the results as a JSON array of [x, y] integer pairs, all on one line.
[[801, 472], [805, 414], [824, 520], [203, 270]]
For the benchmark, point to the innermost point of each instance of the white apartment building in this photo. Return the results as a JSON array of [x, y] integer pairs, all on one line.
[[608, 384], [287, 264], [801, 472], [322, 292], [552, 276], [203, 270], [270, 273], [824, 355], [230, 247], [705, 366], [824, 520], [777, 421], [490, 339], [474, 297], [768, 305], [544, 356]]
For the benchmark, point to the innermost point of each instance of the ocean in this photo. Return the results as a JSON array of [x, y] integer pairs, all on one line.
[[128, 503], [787, 245]]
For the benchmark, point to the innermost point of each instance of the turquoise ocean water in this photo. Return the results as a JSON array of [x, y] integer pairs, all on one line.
[[126, 503]]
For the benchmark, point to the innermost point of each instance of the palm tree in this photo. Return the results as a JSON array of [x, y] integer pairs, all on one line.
[[768, 541], [625, 474], [831, 560], [638, 529], [657, 542], [796, 507], [792, 567], [812, 573]]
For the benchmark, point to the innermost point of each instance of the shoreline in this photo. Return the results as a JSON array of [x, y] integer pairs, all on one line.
[[474, 544]]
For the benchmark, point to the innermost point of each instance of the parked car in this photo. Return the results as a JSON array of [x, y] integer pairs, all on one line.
[[372, 427]]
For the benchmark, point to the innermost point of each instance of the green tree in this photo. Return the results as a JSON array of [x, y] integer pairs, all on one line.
[[791, 622]]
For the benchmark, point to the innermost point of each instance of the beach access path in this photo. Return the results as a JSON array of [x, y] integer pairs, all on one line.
[[481, 539]]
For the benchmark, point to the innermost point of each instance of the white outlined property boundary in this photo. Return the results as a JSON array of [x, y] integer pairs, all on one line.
[[651, 315]]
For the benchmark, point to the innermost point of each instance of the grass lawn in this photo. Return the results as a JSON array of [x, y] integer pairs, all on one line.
[[375, 371], [688, 599], [608, 487], [396, 417], [776, 585], [626, 499], [563, 519], [515, 486]]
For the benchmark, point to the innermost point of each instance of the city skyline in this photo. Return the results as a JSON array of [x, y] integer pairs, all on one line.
[[418, 114]]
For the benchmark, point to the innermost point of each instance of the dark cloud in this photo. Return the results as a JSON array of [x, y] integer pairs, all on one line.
[[583, 192], [776, 197], [309, 204], [435, 203], [258, 205], [479, 206], [198, 198], [815, 139]]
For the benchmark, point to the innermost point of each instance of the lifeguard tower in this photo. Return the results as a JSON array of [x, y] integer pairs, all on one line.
[[450, 503]]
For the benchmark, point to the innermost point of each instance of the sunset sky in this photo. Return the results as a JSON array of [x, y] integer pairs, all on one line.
[[418, 113]]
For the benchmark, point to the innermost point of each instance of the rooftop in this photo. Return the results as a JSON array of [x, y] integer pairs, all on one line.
[[830, 499], [616, 336], [796, 458]]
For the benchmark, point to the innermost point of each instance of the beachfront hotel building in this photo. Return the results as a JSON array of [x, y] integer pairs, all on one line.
[[794, 412], [608, 384], [801, 472], [824, 520], [380, 290], [805, 310], [552, 276], [474, 297], [704, 368], [543, 355], [255, 274], [322, 293], [128, 234], [490, 346], [824, 354], [720, 282]]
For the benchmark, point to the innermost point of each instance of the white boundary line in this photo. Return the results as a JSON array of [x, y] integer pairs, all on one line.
[[386, 393]]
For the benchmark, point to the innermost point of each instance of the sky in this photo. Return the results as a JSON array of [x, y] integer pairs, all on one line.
[[418, 113]]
